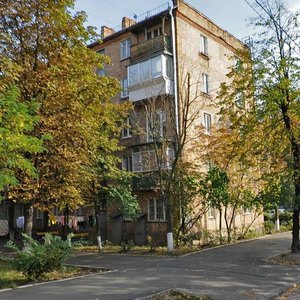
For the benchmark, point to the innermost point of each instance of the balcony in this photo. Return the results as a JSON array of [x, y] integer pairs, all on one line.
[[160, 44], [143, 183]]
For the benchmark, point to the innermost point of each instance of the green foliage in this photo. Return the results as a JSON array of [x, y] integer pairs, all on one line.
[[54, 66], [269, 226], [127, 245], [120, 195], [285, 217], [266, 132], [35, 259], [214, 188], [17, 120]]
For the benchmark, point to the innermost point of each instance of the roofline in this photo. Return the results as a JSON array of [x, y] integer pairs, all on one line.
[[129, 28]]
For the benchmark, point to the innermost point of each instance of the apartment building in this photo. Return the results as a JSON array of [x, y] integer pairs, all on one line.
[[161, 58]]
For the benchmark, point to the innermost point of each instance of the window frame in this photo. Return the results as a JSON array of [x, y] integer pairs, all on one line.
[[156, 217], [158, 118], [101, 72], [207, 125], [211, 213], [127, 163], [126, 129], [125, 49], [205, 83], [203, 44], [124, 91]]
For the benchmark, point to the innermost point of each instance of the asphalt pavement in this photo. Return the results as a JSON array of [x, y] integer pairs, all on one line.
[[237, 271]]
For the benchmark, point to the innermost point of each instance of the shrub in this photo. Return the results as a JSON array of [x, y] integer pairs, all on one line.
[[269, 226], [285, 217], [35, 259]]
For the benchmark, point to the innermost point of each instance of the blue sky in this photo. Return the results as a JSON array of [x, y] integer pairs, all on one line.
[[231, 15]]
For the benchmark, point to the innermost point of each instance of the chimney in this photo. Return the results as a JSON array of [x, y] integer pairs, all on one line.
[[126, 22], [106, 31]]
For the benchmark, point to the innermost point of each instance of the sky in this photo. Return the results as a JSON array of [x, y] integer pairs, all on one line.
[[231, 15]]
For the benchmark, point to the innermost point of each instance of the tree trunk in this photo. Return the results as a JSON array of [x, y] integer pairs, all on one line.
[[277, 222], [220, 225], [65, 229], [170, 242], [28, 215], [295, 239], [11, 218]]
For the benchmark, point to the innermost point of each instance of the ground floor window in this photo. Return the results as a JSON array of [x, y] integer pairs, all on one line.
[[156, 210]]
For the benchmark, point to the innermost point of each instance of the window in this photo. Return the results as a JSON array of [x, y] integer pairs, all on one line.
[[149, 69], [211, 213], [240, 100], [124, 85], [78, 211], [126, 132], [156, 124], [125, 49], [145, 70], [205, 81], [127, 163], [247, 211], [152, 33], [156, 210], [101, 71], [203, 45], [144, 158], [156, 66], [57, 211], [207, 123], [39, 214]]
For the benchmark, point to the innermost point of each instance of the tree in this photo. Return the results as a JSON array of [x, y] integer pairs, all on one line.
[[170, 135], [121, 197], [43, 51], [214, 188], [268, 81], [185, 194], [17, 120]]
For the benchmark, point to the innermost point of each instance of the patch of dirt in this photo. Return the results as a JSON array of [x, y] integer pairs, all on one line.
[[287, 259], [177, 295], [289, 292]]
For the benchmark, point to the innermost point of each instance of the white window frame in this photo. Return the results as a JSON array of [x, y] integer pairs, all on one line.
[[151, 32], [124, 85], [240, 100], [155, 213], [161, 124], [207, 123], [203, 44], [125, 49], [248, 211], [205, 83], [127, 163], [126, 130], [154, 73], [211, 213], [101, 72]]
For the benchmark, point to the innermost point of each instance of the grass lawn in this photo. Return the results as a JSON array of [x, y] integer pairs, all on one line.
[[177, 295], [10, 278], [139, 250]]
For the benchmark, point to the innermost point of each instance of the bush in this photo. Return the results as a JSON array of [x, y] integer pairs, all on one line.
[[35, 259], [269, 226], [285, 217]]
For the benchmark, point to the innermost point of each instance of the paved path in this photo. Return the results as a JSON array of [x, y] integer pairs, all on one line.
[[226, 273]]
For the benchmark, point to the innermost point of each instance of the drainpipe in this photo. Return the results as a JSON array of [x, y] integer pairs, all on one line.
[[175, 68], [170, 242]]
